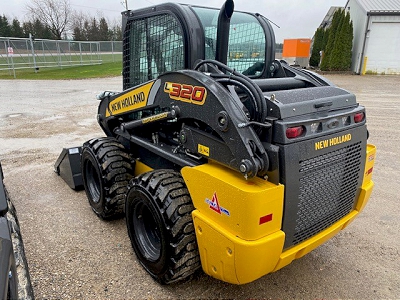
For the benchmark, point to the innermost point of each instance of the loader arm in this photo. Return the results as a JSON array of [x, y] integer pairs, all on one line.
[[210, 121]]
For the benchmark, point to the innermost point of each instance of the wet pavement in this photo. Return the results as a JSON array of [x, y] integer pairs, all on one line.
[[74, 255]]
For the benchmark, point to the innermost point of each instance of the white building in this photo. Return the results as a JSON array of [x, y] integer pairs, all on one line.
[[376, 44], [327, 21]]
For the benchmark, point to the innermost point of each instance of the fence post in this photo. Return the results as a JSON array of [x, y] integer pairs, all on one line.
[[11, 58], [80, 51], [33, 53], [59, 54], [112, 50], [44, 55], [69, 50], [27, 50], [99, 53]]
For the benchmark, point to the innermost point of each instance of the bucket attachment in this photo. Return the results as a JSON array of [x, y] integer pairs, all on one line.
[[68, 166]]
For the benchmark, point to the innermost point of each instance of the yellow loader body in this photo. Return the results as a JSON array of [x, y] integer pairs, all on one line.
[[238, 222]]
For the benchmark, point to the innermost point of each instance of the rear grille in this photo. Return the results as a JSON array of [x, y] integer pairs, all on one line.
[[328, 187]]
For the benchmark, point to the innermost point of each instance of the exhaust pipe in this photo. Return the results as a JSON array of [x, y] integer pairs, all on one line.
[[224, 19]]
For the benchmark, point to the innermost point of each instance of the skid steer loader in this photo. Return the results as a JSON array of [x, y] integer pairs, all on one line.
[[15, 281], [238, 164]]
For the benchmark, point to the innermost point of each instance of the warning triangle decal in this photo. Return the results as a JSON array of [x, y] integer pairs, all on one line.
[[214, 205]]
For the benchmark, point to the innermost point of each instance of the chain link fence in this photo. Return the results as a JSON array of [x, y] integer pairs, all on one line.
[[28, 53]]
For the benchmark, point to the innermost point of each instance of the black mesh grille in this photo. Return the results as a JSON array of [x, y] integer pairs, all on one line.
[[152, 46], [328, 187]]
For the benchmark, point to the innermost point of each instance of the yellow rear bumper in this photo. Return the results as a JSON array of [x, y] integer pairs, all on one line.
[[228, 255]]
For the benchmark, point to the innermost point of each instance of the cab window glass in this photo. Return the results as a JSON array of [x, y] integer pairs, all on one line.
[[246, 39]]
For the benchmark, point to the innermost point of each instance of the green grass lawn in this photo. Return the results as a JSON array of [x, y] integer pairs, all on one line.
[[108, 68], [79, 72]]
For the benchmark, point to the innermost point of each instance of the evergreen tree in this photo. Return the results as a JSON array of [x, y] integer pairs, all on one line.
[[94, 32], [339, 49], [325, 64], [27, 28], [104, 33], [347, 55], [78, 34], [44, 31], [37, 29], [86, 30], [324, 43], [317, 47], [5, 28], [115, 33], [336, 55], [16, 29]]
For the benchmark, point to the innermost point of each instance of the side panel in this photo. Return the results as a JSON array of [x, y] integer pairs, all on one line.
[[367, 184], [130, 100], [249, 209], [3, 199], [7, 262], [229, 258], [237, 222]]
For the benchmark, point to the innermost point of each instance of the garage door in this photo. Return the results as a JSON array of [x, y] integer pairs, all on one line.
[[383, 49]]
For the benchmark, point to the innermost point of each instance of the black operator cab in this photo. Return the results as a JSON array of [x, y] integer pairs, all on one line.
[[171, 37]]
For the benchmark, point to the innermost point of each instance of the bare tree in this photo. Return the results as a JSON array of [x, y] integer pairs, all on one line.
[[78, 26], [56, 14]]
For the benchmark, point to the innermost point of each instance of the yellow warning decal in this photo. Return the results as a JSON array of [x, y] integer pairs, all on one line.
[[134, 99], [155, 118], [203, 149], [333, 141]]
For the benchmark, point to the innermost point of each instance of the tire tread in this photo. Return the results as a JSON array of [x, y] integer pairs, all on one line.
[[172, 197], [116, 167]]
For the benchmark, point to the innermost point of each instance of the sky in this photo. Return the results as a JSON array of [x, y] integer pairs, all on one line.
[[295, 18]]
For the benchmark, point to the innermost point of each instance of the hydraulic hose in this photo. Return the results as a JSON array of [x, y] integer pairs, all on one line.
[[237, 81], [258, 96]]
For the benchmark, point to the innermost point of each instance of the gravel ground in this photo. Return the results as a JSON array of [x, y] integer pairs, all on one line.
[[72, 254]]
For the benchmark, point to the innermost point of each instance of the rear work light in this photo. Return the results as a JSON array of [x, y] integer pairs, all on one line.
[[358, 117], [294, 132]]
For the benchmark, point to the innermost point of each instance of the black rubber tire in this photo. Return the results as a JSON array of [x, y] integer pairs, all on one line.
[[25, 290], [160, 226], [106, 171]]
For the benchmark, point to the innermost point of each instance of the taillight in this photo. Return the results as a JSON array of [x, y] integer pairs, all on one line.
[[294, 132], [358, 117]]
